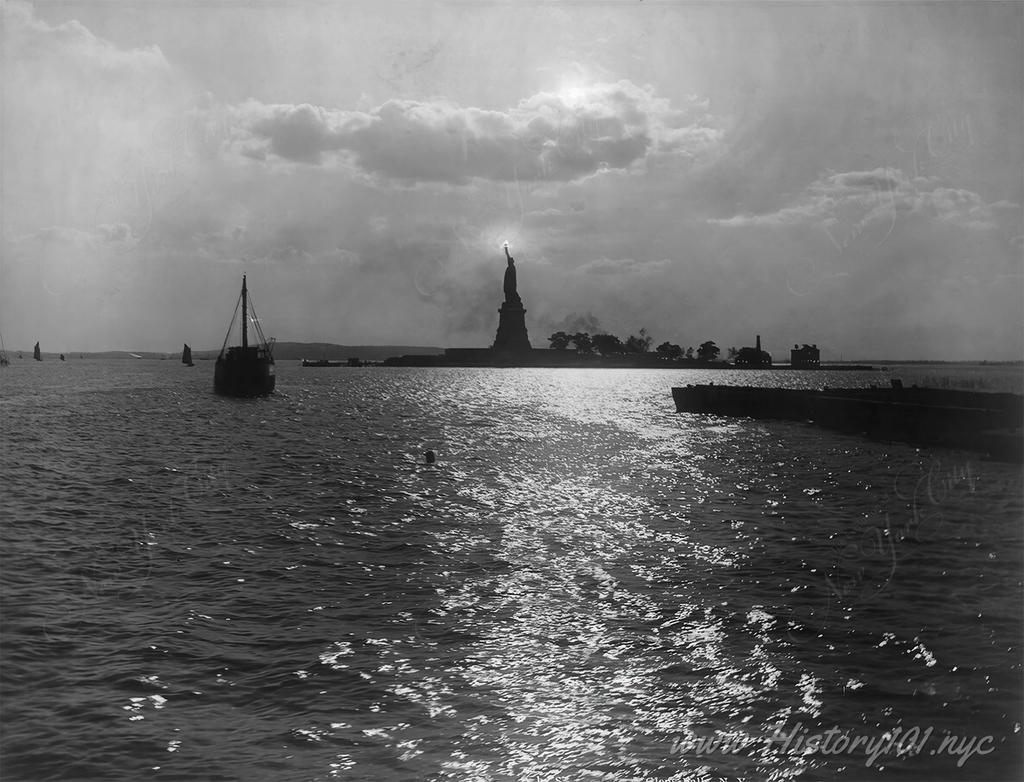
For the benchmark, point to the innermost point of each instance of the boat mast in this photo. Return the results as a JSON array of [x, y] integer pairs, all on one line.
[[245, 316]]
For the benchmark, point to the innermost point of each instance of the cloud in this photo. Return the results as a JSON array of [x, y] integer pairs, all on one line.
[[849, 209], [850, 200], [73, 47], [574, 323], [88, 125], [548, 136], [622, 266], [115, 233], [56, 235]]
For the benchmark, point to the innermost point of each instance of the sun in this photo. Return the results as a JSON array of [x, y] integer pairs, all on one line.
[[573, 91]]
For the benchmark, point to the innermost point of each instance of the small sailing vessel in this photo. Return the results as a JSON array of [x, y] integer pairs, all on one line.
[[36, 354], [62, 357], [4, 360], [186, 356], [245, 370]]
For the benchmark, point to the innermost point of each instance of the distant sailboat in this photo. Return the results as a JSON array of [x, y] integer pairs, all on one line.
[[61, 356], [36, 354], [186, 356], [4, 360], [245, 370]]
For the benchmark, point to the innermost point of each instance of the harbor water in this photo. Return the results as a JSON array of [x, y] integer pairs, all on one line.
[[585, 585]]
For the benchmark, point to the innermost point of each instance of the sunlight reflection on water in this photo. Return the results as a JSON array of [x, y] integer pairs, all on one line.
[[584, 581]]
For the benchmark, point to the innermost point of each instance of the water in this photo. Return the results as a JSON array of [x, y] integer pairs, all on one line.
[[583, 584]]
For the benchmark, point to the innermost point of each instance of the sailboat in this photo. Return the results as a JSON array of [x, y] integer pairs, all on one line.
[[245, 370], [36, 354], [4, 360], [186, 356]]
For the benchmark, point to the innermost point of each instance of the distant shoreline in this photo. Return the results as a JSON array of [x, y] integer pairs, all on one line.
[[297, 351]]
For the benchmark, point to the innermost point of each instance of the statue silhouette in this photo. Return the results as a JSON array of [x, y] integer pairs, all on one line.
[[511, 294], [511, 334]]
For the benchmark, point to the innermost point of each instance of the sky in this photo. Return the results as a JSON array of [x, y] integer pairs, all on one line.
[[844, 174]]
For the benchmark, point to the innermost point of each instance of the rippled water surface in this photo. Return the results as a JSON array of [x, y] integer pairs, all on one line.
[[583, 585]]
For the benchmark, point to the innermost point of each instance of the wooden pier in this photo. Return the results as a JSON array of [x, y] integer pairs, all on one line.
[[986, 422]]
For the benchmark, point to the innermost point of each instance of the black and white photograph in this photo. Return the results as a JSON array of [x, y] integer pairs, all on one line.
[[496, 391]]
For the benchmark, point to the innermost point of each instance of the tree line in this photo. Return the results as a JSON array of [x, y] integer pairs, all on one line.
[[610, 345]]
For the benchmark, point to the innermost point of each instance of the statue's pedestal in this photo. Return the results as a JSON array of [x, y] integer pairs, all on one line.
[[511, 334]]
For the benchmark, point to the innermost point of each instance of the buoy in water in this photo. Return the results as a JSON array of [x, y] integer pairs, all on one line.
[[430, 457]]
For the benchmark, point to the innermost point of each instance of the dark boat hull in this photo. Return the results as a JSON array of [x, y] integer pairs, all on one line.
[[986, 422], [244, 372]]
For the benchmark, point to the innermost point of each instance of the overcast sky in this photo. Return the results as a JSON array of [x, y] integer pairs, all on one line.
[[848, 174]]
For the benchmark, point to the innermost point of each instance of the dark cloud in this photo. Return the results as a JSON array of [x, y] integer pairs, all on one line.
[[574, 323], [547, 137]]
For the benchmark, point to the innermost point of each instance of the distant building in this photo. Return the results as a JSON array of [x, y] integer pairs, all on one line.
[[753, 357], [806, 357]]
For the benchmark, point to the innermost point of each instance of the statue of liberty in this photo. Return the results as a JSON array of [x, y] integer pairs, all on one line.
[[511, 294], [511, 336]]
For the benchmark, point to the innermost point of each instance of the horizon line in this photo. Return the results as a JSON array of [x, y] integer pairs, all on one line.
[[167, 353]]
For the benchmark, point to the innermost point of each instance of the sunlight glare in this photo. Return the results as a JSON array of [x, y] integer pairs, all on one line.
[[573, 91]]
